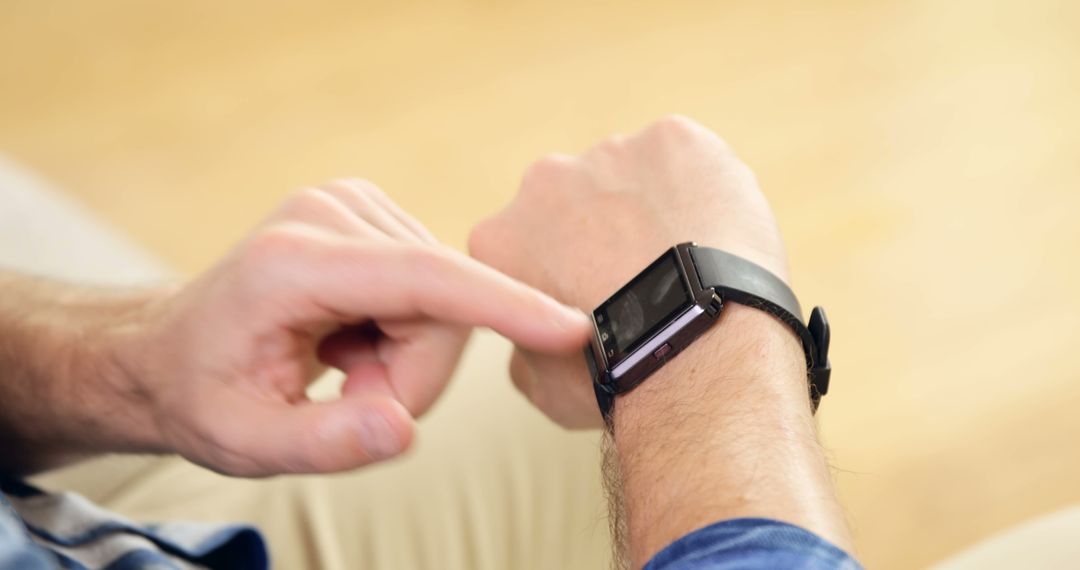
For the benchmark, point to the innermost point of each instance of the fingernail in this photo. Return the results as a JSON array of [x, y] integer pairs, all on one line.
[[377, 436]]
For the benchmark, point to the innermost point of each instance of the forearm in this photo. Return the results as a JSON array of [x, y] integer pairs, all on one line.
[[64, 393], [724, 431]]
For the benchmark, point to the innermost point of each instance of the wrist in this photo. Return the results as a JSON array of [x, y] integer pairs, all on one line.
[[748, 358], [724, 430], [83, 358], [118, 354], [64, 394]]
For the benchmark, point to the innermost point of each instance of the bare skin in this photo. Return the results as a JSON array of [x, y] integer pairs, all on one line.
[[723, 431], [216, 370]]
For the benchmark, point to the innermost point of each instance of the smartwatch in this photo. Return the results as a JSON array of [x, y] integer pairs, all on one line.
[[676, 299]]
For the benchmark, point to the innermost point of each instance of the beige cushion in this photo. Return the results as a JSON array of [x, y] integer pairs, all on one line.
[[1048, 541]]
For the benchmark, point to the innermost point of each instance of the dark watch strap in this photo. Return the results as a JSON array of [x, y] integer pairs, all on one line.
[[744, 282]]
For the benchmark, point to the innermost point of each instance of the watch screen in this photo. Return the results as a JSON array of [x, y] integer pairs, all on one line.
[[642, 307]]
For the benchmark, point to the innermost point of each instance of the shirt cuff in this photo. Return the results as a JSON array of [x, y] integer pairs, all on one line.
[[750, 544]]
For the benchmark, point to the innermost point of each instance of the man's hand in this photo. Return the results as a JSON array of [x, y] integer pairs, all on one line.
[[582, 226], [725, 429], [217, 370]]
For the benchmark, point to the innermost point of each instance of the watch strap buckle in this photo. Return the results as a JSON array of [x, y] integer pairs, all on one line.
[[821, 369]]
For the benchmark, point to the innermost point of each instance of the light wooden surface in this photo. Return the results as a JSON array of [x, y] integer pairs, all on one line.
[[922, 158]]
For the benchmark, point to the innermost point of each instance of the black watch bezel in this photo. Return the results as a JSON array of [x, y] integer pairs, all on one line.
[[711, 278], [621, 372]]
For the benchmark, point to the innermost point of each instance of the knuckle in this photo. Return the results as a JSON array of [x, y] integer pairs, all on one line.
[[679, 120], [479, 239], [612, 146], [683, 128], [277, 240], [305, 197], [307, 203], [677, 124], [266, 265], [544, 172], [359, 188]]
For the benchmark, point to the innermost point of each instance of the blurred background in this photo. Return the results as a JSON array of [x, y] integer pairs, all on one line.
[[922, 158]]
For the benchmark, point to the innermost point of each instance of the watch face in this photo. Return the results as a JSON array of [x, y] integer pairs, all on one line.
[[641, 308]]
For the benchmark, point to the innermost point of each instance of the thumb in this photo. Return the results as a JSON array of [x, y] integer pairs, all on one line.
[[310, 437]]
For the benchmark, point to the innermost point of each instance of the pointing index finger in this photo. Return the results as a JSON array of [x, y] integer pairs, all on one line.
[[409, 280]]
